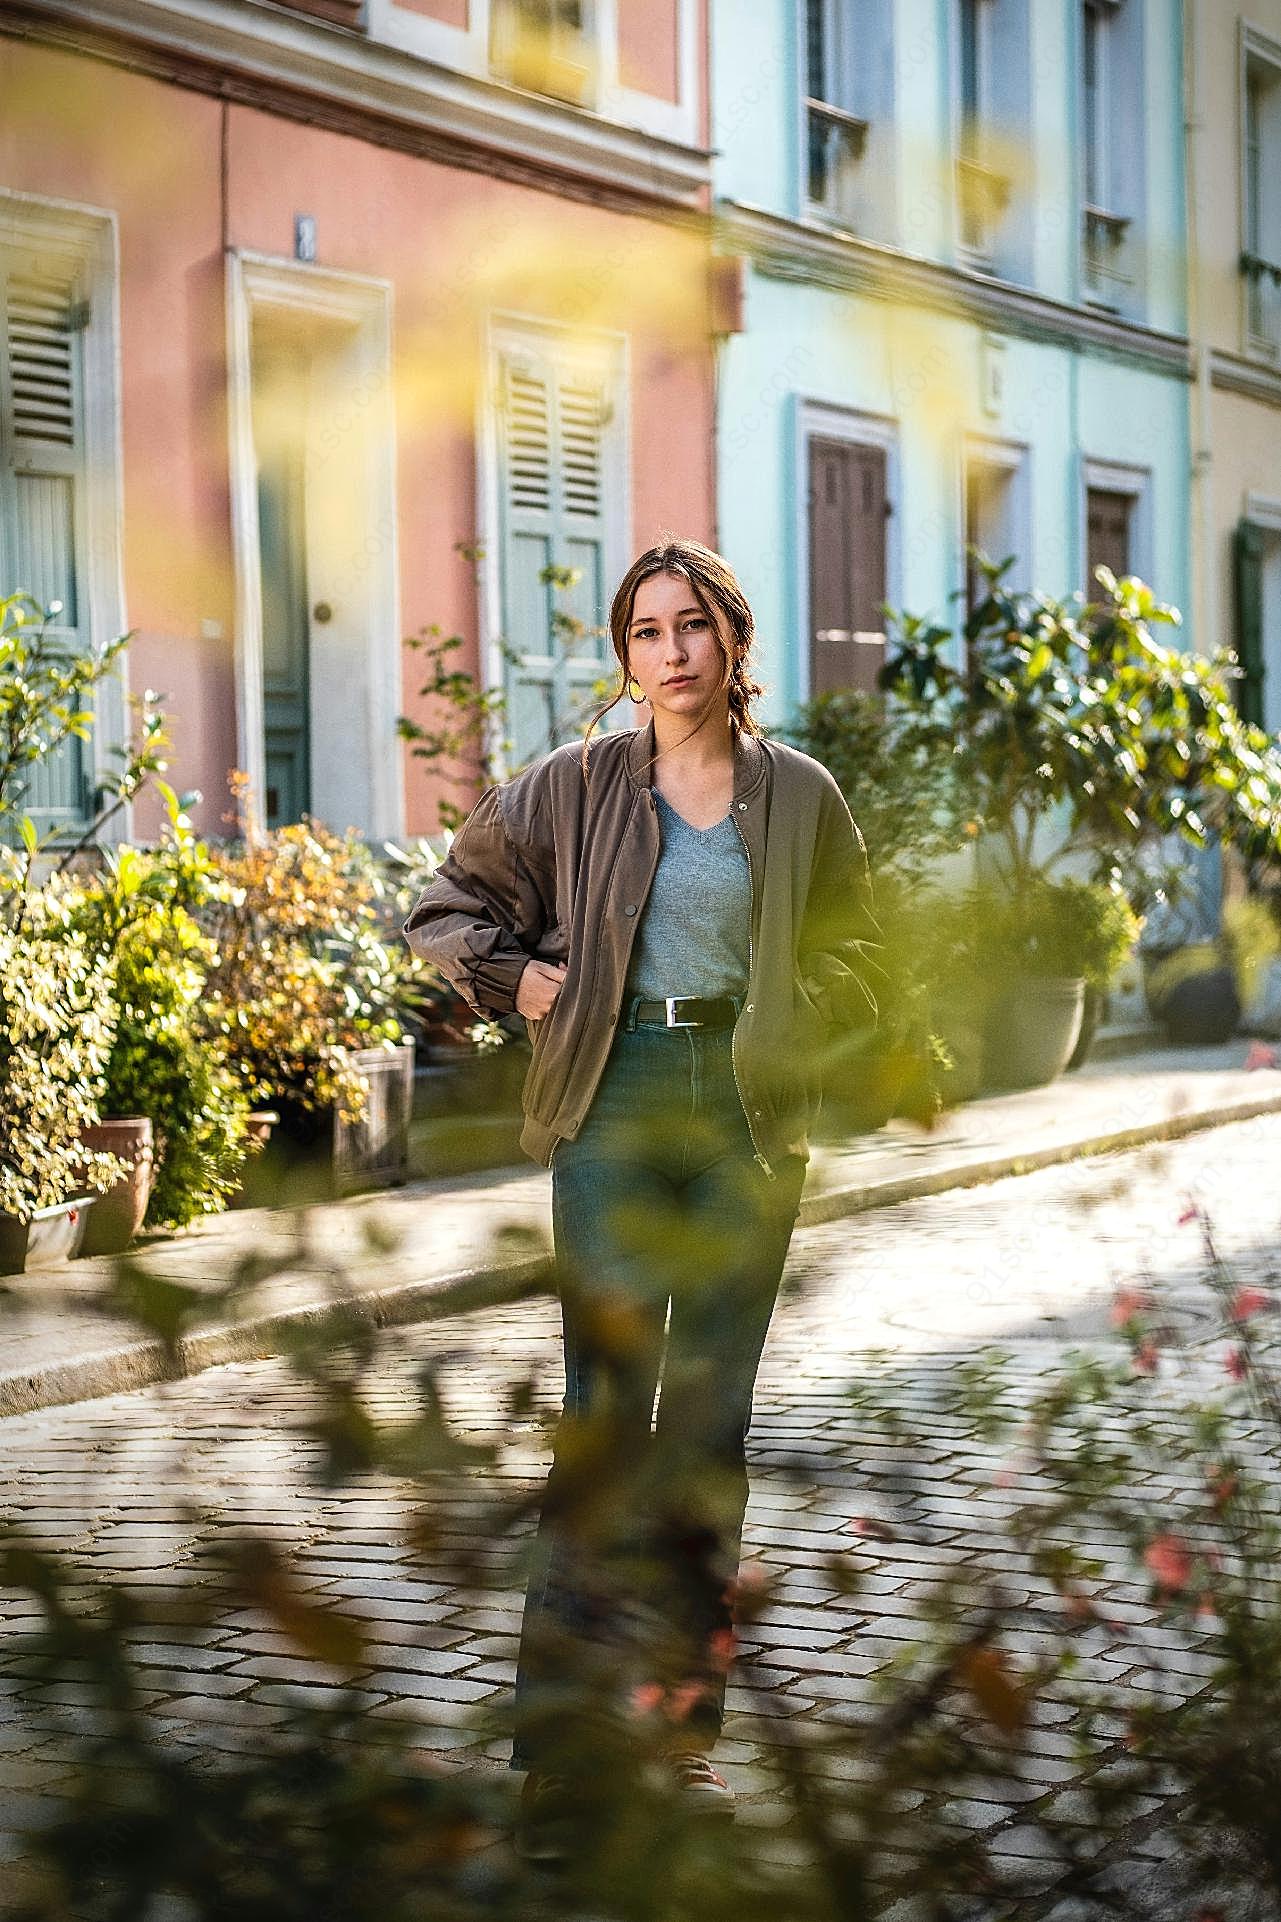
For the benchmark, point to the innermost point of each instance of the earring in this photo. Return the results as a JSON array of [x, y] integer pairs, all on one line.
[[635, 691]]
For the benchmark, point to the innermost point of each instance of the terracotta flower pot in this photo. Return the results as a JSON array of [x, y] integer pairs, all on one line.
[[117, 1215]]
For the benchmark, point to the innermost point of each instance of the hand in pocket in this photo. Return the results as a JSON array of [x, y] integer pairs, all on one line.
[[539, 985]]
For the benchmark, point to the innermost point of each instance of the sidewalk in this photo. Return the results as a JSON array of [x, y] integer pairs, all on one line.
[[386, 1256]]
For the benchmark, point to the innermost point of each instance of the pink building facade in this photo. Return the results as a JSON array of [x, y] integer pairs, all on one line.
[[330, 325]]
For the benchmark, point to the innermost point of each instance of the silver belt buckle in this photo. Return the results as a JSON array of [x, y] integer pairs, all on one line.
[[671, 1003]]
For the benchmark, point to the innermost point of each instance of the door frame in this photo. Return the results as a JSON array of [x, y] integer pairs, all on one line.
[[816, 419], [363, 304]]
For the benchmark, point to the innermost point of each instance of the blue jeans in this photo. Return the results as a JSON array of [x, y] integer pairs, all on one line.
[[659, 1199]]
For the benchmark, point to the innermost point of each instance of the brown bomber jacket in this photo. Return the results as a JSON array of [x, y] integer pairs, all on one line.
[[550, 867]]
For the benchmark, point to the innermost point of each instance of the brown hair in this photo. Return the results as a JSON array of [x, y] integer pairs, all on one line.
[[712, 582]]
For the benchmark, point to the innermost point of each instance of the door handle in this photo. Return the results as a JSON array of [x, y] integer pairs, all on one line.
[[322, 612]]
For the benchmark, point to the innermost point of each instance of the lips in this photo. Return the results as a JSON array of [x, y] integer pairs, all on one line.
[[680, 680]]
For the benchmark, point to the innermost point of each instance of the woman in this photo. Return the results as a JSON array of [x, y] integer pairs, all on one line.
[[683, 914]]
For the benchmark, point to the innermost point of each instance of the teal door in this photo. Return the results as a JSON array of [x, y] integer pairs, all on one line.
[[282, 551]]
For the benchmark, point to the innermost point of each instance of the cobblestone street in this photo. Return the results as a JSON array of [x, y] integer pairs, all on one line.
[[134, 1488]]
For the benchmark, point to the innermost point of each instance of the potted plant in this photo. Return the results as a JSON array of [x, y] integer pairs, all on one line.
[[1041, 950], [1079, 741], [306, 996], [56, 1026], [165, 1077]]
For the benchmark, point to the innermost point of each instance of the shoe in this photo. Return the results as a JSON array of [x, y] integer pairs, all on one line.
[[700, 1785], [546, 1819]]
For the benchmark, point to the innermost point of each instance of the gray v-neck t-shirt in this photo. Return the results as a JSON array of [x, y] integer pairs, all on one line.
[[693, 934]]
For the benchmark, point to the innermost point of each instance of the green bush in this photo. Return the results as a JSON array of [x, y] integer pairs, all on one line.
[[1066, 927], [309, 964], [898, 772], [57, 1020], [161, 1065]]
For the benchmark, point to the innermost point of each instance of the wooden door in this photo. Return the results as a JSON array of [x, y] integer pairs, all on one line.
[[280, 427], [848, 507]]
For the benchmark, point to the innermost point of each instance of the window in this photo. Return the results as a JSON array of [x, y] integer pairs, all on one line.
[[1111, 157], [546, 46], [1116, 507], [1257, 566], [562, 526], [1261, 252], [982, 191], [849, 98], [1108, 535], [991, 85], [997, 515], [43, 506], [848, 524]]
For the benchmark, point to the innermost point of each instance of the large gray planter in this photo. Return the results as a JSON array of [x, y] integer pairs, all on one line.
[[1032, 1028], [53, 1235]]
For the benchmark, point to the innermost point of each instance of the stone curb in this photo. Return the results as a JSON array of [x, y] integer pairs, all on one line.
[[142, 1363]]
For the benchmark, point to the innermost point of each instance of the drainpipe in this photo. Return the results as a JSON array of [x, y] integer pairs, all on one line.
[[1205, 584]]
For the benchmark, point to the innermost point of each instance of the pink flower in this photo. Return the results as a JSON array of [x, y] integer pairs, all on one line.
[[1147, 1357], [1250, 1301], [1222, 1485], [682, 1700], [1129, 1302], [1237, 1363], [1191, 1211], [1259, 1055], [1169, 1563], [721, 1645], [868, 1525]]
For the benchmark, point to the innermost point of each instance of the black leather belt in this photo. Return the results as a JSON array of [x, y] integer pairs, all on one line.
[[688, 1011]]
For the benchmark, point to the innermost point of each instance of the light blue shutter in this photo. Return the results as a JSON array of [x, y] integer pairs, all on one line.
[[41, 531], [554, 417]]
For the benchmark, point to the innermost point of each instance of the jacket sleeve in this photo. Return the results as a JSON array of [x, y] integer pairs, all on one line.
[[842, 941], [481, 916]]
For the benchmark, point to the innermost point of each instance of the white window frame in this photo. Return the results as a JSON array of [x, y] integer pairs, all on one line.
[[1013, 458], [1117, 477], [466, 50], [816, 419], [507, 331], [86, 240], [363, 303], [1257, 49]]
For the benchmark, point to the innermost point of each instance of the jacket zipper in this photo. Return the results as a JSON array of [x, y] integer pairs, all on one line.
[[733, 1040]]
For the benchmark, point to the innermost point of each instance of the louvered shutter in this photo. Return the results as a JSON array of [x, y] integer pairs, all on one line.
[[1248, 557], [41, 515], [554, 418]]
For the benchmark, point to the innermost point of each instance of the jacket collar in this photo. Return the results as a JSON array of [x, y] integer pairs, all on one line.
[[749, 761]]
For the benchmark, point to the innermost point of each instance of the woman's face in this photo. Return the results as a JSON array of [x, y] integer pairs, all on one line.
[[673, 649]]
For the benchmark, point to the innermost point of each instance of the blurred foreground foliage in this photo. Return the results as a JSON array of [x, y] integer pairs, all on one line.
[[1165, 1450]]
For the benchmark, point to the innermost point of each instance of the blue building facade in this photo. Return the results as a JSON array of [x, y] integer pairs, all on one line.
[[958, 236]]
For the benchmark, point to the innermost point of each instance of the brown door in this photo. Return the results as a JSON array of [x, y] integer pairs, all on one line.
[[1107, 535], [848, 508]]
